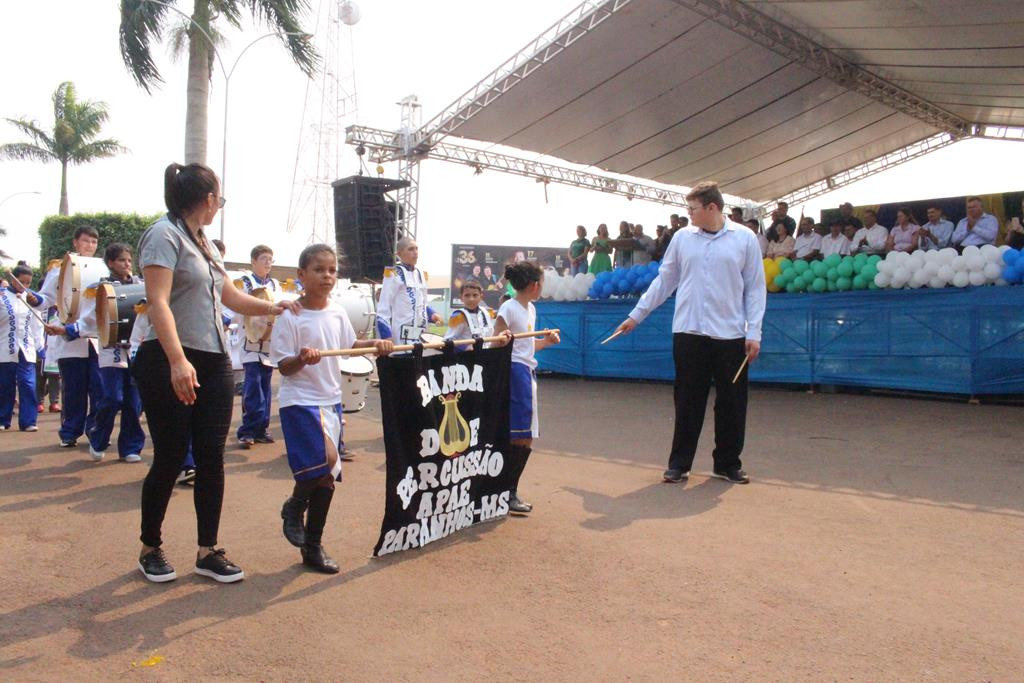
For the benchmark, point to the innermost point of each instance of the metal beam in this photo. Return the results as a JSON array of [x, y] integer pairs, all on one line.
[[779, 38], [868, 168], [990, 132], [381, 145], [548, 45]]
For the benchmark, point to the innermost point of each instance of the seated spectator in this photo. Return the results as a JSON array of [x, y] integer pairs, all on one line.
[[578, 250], [870, 239], [936, 233], [835, 242], [762, 241], [1014, 237], [820, 229], [784, 245], [645, 246], [808, 242], [736, 215], [781, 214], [903, 236], [847, 217], [977, 228], [849, 230]]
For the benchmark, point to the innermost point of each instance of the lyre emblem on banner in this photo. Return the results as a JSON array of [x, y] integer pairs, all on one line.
[[454, 428]]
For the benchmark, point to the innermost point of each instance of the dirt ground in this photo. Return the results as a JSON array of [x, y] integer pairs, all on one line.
[[881, 539]]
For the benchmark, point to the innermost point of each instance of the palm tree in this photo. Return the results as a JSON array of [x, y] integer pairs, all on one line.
[[145, 21], [71, 142]]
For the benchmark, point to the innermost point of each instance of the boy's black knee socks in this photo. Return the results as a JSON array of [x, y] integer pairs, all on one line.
[[517, 463], [319, 505]]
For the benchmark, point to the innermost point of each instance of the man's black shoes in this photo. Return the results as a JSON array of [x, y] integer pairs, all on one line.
[[674, 476], [733, 476], [313, 555]]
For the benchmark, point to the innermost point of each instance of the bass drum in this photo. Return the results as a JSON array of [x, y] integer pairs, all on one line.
[[116, 310], [258, 328], [359, 307], [77, 273], [355, 380]]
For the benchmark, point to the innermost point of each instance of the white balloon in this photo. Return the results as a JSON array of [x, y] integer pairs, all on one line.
[[992, 271], [977, 278], [932, 257], [975, 261], [882, 280], [971, 250], [883, 267], [946, 272], [991, 253], [900, 277], [936, 282], [959, 264], [961, 279], [948, 254], [919, 257], [1001, 282], [919, 277], [931, 268], [1003, 248]]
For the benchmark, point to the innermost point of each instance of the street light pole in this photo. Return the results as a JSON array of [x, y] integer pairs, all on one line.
[[15, 194]]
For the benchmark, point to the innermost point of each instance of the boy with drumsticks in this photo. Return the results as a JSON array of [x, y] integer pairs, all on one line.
[[310, 400], [256, 358]]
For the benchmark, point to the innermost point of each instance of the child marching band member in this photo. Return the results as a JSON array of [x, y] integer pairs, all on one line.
[[402, 312], [519, 315], [119, 390], [474, 319], [18, 355], [76, 355], [259, 369], [310, 400]]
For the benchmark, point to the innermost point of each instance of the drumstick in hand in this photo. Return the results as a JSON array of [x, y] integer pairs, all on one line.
[[616, 334], [742, 365]]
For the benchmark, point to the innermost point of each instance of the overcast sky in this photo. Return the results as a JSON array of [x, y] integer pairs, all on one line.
[[435, 50]]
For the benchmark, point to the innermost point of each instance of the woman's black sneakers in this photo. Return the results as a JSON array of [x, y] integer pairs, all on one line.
[[154, 566], [219, 568]]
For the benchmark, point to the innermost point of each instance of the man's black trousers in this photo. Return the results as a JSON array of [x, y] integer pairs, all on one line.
[[699, 360]]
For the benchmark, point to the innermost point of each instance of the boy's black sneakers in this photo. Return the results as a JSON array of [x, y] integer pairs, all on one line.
[[734, 476], [674, 476]]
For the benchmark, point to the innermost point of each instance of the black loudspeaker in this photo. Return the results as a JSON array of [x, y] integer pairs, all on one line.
[[364, 226]]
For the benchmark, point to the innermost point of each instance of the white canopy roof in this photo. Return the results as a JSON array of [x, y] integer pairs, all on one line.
[[765, 97]]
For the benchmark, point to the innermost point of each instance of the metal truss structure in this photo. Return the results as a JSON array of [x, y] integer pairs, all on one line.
[[382, 146], [545, 47], [408, 198]]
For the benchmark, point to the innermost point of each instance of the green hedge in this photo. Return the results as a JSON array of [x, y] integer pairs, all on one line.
[[56, 232]]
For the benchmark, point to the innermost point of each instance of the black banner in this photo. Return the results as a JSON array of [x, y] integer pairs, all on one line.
[[486, 264], [445, 420]]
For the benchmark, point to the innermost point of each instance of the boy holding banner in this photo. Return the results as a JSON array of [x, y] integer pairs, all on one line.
[[310, 400], [519, 315]]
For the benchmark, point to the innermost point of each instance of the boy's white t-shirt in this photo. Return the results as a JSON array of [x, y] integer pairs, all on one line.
[[519, 319], [328, 328]]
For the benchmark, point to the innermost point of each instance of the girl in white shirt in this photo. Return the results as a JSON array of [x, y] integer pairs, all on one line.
[[310, 400], [519, 315]]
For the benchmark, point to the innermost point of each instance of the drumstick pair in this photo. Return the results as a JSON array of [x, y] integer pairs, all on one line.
[[734, 379], [431, 345]]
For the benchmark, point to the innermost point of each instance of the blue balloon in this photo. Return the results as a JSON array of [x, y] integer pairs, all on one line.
[[1011, 256], [653, 267], [603, 277], [1011, 274], [638, 267], [622, 286], [607, 289]]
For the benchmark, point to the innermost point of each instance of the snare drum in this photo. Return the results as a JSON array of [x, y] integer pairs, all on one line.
[[355, 380], [77, 273], [358, 305], [115, 311], [259, 327]]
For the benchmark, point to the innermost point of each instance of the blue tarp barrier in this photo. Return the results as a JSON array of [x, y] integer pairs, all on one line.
[[958, 341]]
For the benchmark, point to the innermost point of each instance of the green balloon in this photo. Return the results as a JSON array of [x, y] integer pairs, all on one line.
[[819, 269], [858, 266], [845, 269], [872, 285], [779, 280], [820, 284], [784, 264], [874, 259], [860, 282], [843, 284], [832, 274], [800, 266], [862, 258], [831, 285], [791, 288], [799, 284], [869, 271], [832, 260]]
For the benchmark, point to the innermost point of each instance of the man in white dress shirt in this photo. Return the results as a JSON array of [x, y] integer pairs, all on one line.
[[808, 242], [870, 239], [977, 227], [715, 268], [936, 233], [835, 241]]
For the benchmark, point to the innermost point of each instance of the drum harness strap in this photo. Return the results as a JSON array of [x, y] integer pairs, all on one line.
[[249, 279]]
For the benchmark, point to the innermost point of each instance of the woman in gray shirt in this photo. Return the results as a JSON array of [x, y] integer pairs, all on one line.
[[182, 368]]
